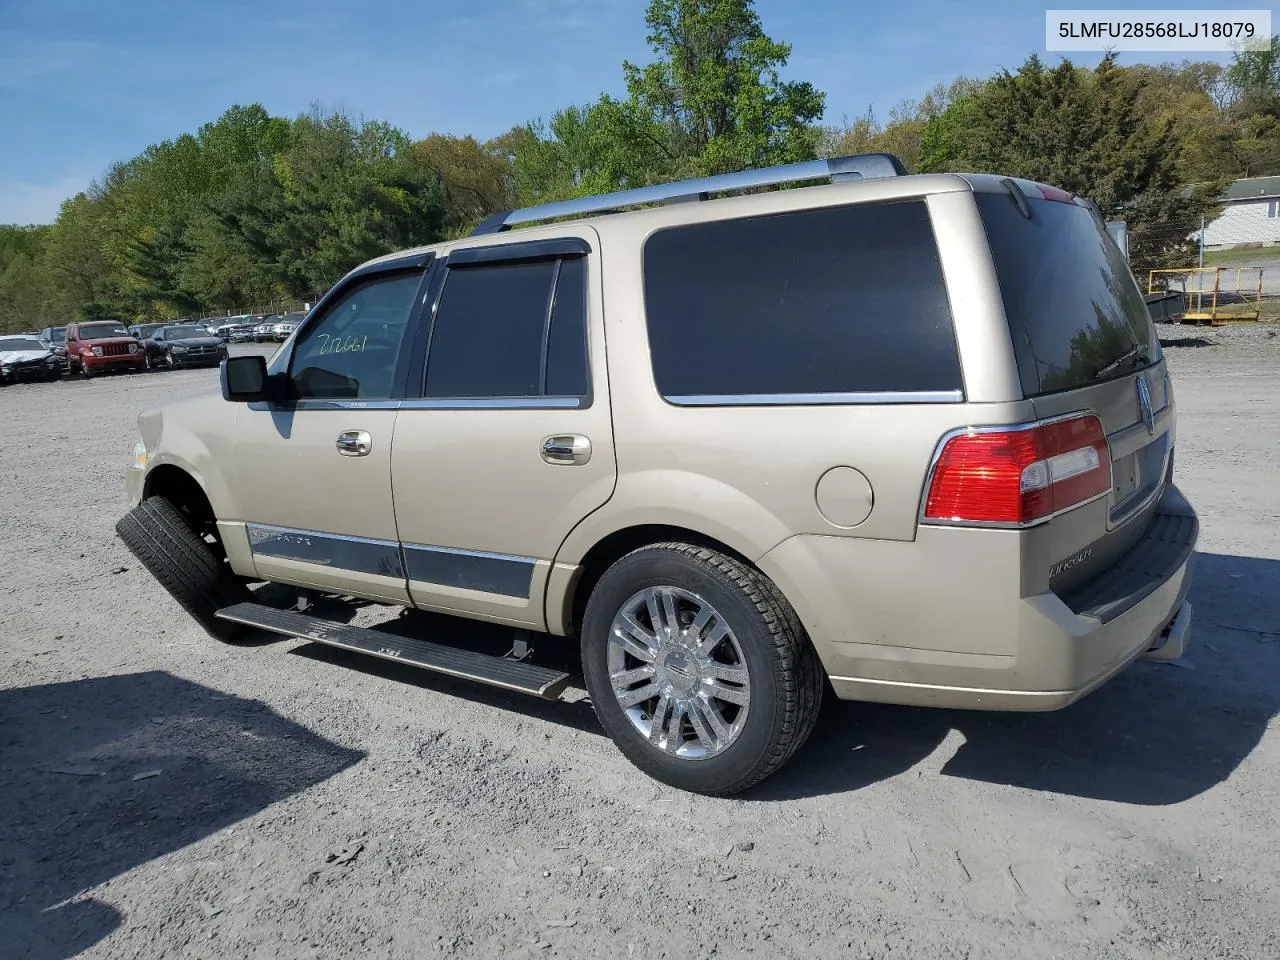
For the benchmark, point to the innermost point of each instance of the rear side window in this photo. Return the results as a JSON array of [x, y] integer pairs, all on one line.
[[1071, 301], [833, 301], [510, 330]]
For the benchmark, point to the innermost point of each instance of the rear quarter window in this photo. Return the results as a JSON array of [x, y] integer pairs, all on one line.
[[1072, 304], [798, 305]]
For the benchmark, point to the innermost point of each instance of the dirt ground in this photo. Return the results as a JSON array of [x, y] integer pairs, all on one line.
[[162, 795]]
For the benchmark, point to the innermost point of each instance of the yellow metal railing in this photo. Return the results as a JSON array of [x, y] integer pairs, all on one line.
[[1223, 302]]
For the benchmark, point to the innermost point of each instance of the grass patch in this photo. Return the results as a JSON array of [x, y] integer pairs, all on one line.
[[1217, 258]]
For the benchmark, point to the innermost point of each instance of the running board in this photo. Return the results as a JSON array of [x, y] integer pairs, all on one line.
[[495, 671]]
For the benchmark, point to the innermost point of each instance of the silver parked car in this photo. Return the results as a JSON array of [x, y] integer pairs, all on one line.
[[27, 357], [283, 329]]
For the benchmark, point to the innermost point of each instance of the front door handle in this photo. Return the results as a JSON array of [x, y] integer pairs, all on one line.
[[355, 443], [567, 450]]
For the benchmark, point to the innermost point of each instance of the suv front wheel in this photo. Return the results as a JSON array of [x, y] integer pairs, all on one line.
[[186, 564], [698, 668]]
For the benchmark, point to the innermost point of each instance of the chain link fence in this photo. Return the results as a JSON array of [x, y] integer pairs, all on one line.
[[1228, 270], [273, 308]]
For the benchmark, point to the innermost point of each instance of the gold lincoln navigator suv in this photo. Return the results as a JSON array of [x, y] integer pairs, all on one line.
[[906, 438]]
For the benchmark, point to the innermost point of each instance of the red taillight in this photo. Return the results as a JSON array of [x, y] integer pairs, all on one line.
[[1019, 475]]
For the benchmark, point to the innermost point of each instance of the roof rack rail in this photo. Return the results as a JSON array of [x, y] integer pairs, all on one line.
[[863, 166]]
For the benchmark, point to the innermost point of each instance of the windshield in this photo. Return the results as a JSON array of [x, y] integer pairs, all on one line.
[[102, 331], [58, 335], [1074, 310], [185, 333], [22, 343]]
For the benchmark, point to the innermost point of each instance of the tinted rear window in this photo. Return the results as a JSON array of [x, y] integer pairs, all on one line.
[[839, 300], [487, 336], [511, 329], [1071, 300]]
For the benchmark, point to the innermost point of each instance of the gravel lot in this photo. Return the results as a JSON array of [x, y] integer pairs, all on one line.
[[310, 804]]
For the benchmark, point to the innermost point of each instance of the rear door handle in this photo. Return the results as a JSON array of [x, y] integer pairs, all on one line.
[[355, 443], [570, 450]]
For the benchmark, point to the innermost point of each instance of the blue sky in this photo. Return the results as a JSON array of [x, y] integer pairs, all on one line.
[[84, 83]]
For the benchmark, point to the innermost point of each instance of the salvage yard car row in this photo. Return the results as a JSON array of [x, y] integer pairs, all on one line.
[[99, 347], [91, 348], [105, 346]]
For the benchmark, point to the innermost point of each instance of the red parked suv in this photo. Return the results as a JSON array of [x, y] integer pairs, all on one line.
[[102, 347]]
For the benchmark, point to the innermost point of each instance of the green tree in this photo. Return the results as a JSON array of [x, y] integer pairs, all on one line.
[[86, 284], [1255, 72], [29, 241], [1087, 131], [1250, 145], [341, 193], [164, 241], [577, 153], [713, 100], [24, 282], [239, 249], [921, 133], [24, 294], [942, 141], [1190, 96], [477, 179]]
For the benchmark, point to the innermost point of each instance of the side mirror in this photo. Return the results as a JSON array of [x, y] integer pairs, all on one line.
[[244, 379]]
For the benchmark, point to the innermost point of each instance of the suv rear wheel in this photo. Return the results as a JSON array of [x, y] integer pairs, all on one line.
[[166, 543], [698, 668]]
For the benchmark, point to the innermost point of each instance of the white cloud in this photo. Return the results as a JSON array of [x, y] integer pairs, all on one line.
[[24, 203]]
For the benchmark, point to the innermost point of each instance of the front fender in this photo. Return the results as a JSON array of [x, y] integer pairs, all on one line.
[[195, 436]]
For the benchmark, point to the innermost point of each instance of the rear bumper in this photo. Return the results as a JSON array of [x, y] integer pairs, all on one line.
[[941, 622]]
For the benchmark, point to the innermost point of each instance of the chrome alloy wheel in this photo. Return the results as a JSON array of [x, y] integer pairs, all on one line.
[[678, 672]]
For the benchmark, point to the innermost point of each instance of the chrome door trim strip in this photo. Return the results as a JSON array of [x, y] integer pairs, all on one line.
[[335, 551], [492, 403], [809, 399], [500, 573], [315, 404], [441, 403]]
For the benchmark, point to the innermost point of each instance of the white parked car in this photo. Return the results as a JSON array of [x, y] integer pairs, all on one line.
[[27, 357]]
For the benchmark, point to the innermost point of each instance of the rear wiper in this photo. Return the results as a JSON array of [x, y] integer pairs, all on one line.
[[1138, 352]]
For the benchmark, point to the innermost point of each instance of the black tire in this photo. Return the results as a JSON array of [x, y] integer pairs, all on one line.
[[165, 542], [786, 678], [86, 371]]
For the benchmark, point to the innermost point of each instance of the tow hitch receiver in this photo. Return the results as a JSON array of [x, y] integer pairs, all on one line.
[[1172, 641]]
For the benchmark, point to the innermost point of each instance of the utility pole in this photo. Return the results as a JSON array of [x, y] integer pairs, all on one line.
[[1202, 240]]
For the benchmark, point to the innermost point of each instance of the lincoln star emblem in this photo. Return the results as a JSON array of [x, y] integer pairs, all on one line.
[[1144, 404]]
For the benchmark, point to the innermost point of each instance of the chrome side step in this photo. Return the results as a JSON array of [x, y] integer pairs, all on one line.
[[495, 671]]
